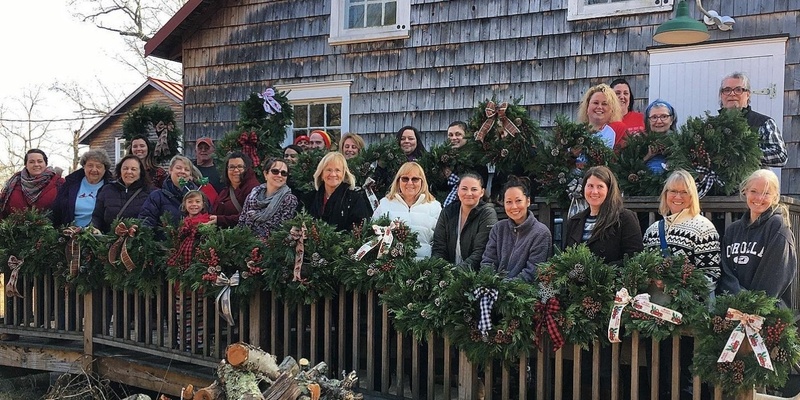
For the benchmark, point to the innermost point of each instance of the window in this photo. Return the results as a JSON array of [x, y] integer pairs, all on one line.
[[355, 21], [322, 105], [326, 115], [119, 149], [586, 9]]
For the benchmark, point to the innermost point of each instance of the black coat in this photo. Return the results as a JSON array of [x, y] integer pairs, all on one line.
[[623, 239], [474, 236], [64, 205], [110, 200], [344, 208]]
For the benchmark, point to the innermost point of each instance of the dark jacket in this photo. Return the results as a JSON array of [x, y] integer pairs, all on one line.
[[64, 206], [224, 209], [344, 208], [623, 239], [474, 235], [166, 200], [112, 197]]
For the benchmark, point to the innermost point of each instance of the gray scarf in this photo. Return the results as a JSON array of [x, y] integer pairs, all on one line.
[[264, 206]]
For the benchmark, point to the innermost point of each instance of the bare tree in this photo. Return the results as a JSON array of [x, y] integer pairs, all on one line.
[[89, 105], [26, 131]]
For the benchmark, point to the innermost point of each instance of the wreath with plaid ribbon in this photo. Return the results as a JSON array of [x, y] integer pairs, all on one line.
[[634, 176], [134, 259], [30, 238], [84, 252], [154, 120]]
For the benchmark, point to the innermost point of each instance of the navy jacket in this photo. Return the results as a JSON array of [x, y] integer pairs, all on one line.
[[111, 198], [64, 206], [166, 200]]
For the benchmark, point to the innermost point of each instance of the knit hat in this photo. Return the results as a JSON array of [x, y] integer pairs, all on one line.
[[325, 137], [301, 138]]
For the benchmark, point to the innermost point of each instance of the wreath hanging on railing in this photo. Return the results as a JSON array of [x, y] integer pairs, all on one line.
[[570, 149], [300, 255], [372, 253], [380, 162], [583, 286], [84, 251], [441, 160], [634, 176], [720, 151], [415, 299], [744, 360], [135, 260], [158, 120], [475, 298], [27, 243]]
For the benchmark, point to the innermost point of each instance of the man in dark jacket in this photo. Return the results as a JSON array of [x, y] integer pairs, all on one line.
[[204, 150]]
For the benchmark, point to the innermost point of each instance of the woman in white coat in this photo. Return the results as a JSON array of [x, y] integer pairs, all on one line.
[[410, 201]]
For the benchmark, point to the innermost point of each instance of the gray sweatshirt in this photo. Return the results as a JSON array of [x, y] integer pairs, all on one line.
[[516, 249]]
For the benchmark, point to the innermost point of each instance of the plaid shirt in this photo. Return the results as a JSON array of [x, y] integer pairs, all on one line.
[[772, 145], [452, 181]]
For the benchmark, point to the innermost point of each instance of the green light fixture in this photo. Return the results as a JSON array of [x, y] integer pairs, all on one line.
[[682, 29]]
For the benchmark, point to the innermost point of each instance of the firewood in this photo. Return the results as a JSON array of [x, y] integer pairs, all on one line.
[[251, 358], [314, 390], [187, 393], [239, 384], [289, 365], [284, 388], [215, 391]]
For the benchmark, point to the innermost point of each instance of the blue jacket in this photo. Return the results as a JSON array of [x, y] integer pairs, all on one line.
[[64, 205], [166, 200]]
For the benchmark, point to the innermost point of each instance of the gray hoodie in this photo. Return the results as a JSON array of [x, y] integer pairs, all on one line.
[[516, 249]]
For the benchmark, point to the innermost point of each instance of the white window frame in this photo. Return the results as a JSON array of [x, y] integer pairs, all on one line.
[[119, 149], [340, 35], [579, 10], [319, 92]]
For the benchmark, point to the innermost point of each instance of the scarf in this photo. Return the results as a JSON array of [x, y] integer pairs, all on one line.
[[32, 186], [264, 206], [182, 256]]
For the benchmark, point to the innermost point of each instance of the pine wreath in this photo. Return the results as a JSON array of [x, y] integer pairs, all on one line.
[[316, 279], [634, 176], [685, 290], [158, 120], [147, 258], [779, 334], [379, 161], [443, 158], [570, 149], [720, 150], [85, 272], [301, 174], [512, 316], [583, 285], [415, 300], [28, 236], [371, 272]]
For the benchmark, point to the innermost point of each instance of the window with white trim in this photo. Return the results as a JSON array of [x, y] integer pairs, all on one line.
[[322, 105], [586, 9], [119, 149], [356, 21]]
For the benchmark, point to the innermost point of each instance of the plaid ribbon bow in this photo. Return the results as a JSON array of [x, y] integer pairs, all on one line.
[[162, 144], [642, 304], [298, 234], [708, 180], [271, 106], [249, 142], [384, 238], [749, 325], [492, 113], [486, 298], [120, 246], [14, 264], [73, 250], [545, 313], [224, 296]]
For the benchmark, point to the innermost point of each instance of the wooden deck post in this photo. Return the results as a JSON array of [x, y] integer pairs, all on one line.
[[467, 378], [89, 325]]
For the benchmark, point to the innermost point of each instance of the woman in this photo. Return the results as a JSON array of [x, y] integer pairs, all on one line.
[[76, 198], [456, 134], [600, 109], [609, 230], [167, 200], [143, 148], [124, 197], [36, 186], [270, 203], [351, 145], [410, 142], [336, 200], [463, 227], [758, 250], [634, 121], [410, 200], [660, 119], [239, 181], [290, 153], [517, 244]]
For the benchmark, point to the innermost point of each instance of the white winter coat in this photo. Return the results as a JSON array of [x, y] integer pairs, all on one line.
[[420, 217]]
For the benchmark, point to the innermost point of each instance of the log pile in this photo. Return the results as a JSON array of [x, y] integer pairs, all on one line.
[[249, 373]]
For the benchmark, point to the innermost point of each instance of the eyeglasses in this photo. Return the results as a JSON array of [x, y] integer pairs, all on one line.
[[235, 167], [662, 117], [736, 90], [281, 172], [681, 193], [413, 179]]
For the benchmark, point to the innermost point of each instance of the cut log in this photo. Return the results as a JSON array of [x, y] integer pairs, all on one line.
[[284, 388], [239, 383], [188, 392], [251, 358], [289, 365], [314, 391], [215, 391]]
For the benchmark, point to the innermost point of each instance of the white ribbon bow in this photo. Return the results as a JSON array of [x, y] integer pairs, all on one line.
[[384, 238], [225, 295], [749, 324], [271, 106], [642, 304]]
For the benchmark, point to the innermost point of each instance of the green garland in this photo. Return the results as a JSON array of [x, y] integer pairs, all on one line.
[[301, 174], [29, 236], [443, 159], [555, 168], [93, 253], [583, 285], [512, 316], [371, 273], [386, 157], [415, 300], [744, 372], [685, 287], [634, 176], [147, 254], [322, 247], [723, 143], [153, 118]]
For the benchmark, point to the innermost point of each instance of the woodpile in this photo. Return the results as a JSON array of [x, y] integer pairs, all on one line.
[[249, 373]]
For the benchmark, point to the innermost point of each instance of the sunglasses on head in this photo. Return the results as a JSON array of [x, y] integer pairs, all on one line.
[[281, 172], [414, 179]]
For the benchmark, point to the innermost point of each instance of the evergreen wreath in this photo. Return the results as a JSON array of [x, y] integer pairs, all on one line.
[[685, 286], [380, 161], [371, 272], [415, 300], [512, 316], [301, 174], [720, 150], [634, 176], [443, 158], [93, 251], [558, 168], [317, 278], [158, 120], [147, 255], [29, 236], [778, 332], [583, 285]]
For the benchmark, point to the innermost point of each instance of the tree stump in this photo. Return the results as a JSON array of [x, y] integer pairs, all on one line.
[[251, 358], [215, 391]]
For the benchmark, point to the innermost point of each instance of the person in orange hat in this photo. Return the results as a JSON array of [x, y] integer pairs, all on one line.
[[302, 141], [319, 140]]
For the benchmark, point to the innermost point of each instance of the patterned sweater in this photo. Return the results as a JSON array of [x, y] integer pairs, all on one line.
[[696, 238]]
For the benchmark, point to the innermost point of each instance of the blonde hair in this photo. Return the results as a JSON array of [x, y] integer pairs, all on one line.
[[680, 176], [405, 169], [356, 139], [773, 185], [329, 158], [611, 99]]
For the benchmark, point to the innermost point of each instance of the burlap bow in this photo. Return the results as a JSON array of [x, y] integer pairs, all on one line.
[[73, 250], [642, 304], [224, 295], [492, 113], [271, 106], [709, 178], [545, 317], [14, 264], [486, 298], [249, 142], [749, 325], [298, 234], [162, 144], [384, 238], [120, 246]]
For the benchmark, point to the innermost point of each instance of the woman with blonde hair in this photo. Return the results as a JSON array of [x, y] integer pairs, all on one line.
[[410, 200], [600, 108], [351, 144], [337, 201]]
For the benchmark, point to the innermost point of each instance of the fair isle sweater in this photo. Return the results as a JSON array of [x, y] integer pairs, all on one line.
[[696, 238]]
